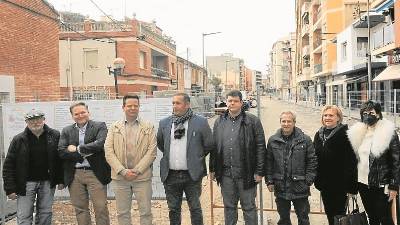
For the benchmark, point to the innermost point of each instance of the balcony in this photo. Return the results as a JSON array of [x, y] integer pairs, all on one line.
[[317, 42], [305, 7], [317, 68], [72, 27], [383, 36], [147, 32], [107, 26], [306, 50], [305, 29], [159, 72]]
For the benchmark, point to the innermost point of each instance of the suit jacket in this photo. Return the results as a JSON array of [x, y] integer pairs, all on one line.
[[95, 136], [199, 144]]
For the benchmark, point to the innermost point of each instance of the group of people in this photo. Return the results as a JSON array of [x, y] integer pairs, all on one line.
[[86, 156]]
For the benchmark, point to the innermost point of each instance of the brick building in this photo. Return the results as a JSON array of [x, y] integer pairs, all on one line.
[[29, 49], [87, 48]]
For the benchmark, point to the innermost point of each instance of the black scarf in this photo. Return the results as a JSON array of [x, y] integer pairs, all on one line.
[[179, 128]]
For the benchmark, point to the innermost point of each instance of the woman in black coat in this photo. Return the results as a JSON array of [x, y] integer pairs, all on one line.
[[336, 169]]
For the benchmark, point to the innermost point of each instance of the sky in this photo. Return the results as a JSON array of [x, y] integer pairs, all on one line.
[[248, 27]]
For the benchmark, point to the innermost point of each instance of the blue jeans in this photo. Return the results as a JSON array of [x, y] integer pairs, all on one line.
[[179, 181], [43, 194]]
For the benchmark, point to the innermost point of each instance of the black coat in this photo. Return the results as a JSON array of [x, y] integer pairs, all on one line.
[[337, 168], [95, 136], [252, 146], [16, 165], [300, 167]]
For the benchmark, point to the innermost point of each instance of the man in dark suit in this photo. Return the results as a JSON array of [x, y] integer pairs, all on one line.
[[185, 140], [86, 171]]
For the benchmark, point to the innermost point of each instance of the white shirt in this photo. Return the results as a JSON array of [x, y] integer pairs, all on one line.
[[363, 154], [177, 150]]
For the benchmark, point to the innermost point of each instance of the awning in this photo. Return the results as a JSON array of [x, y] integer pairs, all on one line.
[[345, 81], [390, 73]]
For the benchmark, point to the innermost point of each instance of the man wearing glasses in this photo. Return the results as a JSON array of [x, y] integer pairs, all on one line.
[[32, 169]]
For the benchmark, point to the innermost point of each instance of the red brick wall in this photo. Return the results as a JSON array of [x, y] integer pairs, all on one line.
[[29, 50]]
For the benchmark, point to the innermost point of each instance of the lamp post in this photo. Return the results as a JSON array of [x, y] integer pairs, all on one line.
[[226, 72], [119, 64], [204, 35], [369, 53]]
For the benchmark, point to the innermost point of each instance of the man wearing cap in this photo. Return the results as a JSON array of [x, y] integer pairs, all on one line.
[[32, 169], [86, 172]]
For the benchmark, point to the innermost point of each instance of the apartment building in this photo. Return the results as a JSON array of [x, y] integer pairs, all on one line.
[[88, 48], [190, 77], [318, 22], [230, 70], [281, 67]]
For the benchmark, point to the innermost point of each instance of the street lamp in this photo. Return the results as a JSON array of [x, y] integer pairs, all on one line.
[[119, 64], [204, 35]]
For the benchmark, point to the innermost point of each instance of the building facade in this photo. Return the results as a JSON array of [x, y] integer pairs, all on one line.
[[29, 50], [88, 48]]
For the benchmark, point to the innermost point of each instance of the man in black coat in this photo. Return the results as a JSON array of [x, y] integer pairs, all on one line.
[[86, 171], [238, 161], [290, 169], [32, 169]]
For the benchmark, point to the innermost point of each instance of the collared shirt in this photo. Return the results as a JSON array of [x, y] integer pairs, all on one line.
[[82, 131], [131, 130], [177, 150], [231, 147]]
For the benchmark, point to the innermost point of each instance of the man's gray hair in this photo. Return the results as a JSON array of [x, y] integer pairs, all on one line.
[[288, 113]]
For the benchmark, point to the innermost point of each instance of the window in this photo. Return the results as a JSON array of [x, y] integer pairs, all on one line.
[[142, 60], [173, 68], [362, 43], [4, 97], [344, 51], [91, 59]]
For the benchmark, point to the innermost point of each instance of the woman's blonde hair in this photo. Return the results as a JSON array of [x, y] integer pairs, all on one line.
[[338, 111]]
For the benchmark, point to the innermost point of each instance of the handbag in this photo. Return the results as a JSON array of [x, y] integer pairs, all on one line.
[[354, 217]]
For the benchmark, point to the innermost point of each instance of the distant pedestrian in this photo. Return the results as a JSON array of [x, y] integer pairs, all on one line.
[[237, 163], [290, 169], [131, 148], [185, 140], [32, 169]]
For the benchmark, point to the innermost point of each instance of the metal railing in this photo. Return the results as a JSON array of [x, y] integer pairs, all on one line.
[[72, 27], [159, 72], [317, 68], [147, 32]]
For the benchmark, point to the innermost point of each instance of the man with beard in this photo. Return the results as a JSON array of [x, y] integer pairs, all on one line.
[[185, 140], [32, 169]]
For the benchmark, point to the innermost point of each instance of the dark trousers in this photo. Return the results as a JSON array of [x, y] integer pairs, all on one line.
[[334, 204], [301, 207], [232, 191], [177, 183], [376, 205]]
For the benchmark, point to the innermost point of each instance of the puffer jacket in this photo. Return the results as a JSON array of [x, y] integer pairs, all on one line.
[[384, 162], [252, 146], [300, 168]]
